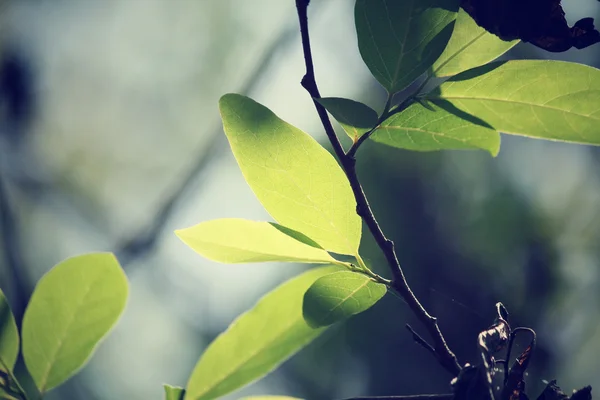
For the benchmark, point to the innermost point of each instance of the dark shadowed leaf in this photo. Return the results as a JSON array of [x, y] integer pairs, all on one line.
[[338, 296], [400, 40], [354, 117]]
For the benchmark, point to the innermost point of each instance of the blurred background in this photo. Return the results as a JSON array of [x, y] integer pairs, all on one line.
[[110, 139]]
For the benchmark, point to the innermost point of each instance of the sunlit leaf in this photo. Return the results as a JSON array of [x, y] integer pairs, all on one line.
[[354, 117], [72, 308], [173, 392], [338, 296], [400, 40], [297, 181], [9, 336], [257, 341], [234, 240], [470, 46], [545, 99], [430, 128]]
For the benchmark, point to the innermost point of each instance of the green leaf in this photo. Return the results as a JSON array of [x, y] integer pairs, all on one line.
[[355, 118], [338, 296], [425, 129], [470, 46], [297, 181], [241, 241], [173, 392], [9, 336], [400, 40], [544, 99], [257, 341], [72, 308]]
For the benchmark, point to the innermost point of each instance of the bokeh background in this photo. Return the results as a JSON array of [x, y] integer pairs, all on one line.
[[110, 139]]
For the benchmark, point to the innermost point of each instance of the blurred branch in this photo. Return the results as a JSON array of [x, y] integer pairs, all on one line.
[[145, 240], [399, 284]]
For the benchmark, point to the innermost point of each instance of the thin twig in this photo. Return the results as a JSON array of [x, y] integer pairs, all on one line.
[[417, 338], [443, 353]]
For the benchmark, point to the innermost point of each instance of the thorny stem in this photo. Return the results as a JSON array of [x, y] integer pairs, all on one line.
[[399, 285]]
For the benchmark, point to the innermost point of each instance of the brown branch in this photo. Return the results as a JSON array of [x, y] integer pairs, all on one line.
[[443, 353]]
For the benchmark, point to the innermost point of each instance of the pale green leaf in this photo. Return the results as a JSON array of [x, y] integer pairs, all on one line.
[[544, 99], [173, 392], [430, 128], [470, 46], [9, 336], [354, 117], [73, 307], [338, 296], [257, 341], [400, 40], [297, 181], [234, 240]]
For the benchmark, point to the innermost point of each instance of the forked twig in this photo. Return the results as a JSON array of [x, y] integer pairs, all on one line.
[[442, 352]]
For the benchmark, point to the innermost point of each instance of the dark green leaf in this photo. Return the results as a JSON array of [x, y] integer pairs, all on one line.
[[400, 39], [338, 296], [354, 117]]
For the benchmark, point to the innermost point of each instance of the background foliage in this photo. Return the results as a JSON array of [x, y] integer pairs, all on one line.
[[120, 125]]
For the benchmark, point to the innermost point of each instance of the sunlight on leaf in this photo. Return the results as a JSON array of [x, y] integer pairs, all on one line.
[[470, 46], [354, 117], [400, 40], [297, 181], [9, 336], [234, 240], [257, 341], [544, 99], [338, 296], [427, 129], [72, 308]]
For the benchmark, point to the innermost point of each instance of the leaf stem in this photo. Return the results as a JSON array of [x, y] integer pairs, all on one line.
[[13, 378], [384, 115], [398, 284]]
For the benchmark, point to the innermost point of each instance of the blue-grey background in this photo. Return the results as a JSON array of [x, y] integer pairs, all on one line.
[[114, 140]]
